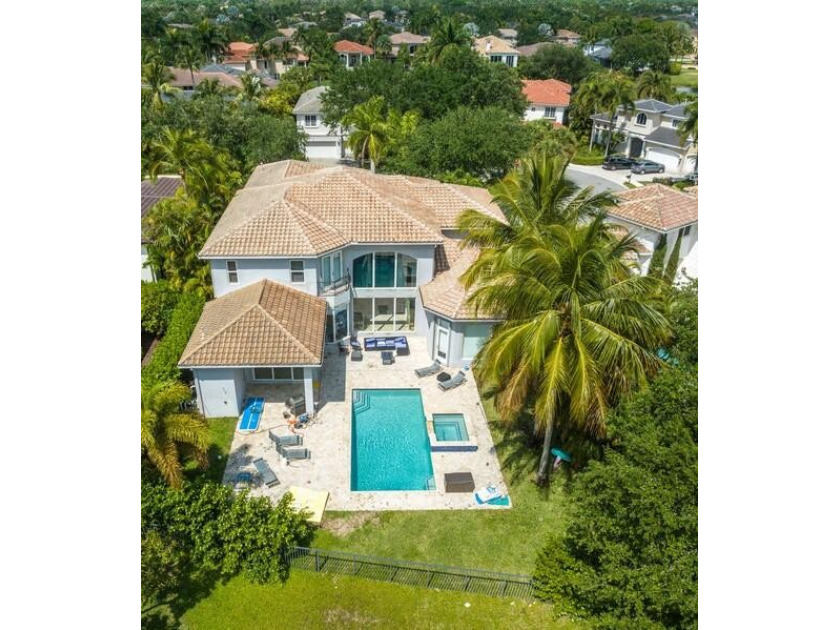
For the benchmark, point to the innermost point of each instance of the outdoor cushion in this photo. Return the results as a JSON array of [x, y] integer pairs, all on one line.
[[285, 440], [295, 453], [268, 476], [434, 368], [456, 380], [387, 358]]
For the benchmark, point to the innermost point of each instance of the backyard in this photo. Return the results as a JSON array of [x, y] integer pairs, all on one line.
[[686, 78]]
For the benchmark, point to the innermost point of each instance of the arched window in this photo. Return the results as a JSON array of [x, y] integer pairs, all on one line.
[[641, 119]]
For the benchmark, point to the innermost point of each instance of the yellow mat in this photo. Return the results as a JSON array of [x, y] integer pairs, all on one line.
[[314, 501]]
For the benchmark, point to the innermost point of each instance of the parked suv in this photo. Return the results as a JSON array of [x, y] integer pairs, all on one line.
[[646, 166], [615, 162]]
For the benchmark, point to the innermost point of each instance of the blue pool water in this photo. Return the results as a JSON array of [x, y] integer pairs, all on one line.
[[251, 415], [390, 446], [450, 427]]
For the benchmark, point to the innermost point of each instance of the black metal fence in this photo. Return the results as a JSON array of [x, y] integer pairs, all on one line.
[[413, 573]]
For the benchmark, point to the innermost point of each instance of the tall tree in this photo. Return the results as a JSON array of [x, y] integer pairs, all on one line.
[[673, 261], [559, 62], [267, 52], [606, 92], [157, 78], [448, 34], [656, 85], [368, 130], [251, 87], [688, 127], [209, 38], [191, 58], [179, 152], [168, 434], [372, 31]]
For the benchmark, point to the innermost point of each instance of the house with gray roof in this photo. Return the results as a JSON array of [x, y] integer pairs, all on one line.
[[322, 141], [650, 131]]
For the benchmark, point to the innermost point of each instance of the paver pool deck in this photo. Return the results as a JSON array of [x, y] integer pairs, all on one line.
[[328, 438]]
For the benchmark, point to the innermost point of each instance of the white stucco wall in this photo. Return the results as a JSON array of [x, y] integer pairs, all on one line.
[[252, 270], [536, 111], [220, 391], [649, 238], [146, 273]]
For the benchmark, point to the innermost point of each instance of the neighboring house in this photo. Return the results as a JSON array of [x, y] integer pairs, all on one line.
[[306, 255], [288, 33], [531, 49], [351, 19], [150, 194], [411, 41], [650, 211], [496, 50], [184, 81], [352, 54], [321, 141], [600, 51], [240, 56], [377, 15], [547, 99], [567, 38], [509, 35], [651, 131], [278, 66]]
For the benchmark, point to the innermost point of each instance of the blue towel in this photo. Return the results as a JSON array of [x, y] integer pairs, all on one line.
[[504, 500]]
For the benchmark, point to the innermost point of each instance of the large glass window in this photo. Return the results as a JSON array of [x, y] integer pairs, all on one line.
[[404, 318], [341, 324], [363, 271], [337, 273], [384, 269], [278, 374], [363, 314], [326, 270], [329, 331], [384, 318], [406, 271]]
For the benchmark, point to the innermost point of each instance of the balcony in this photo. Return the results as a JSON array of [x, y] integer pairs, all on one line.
[[335, 287]]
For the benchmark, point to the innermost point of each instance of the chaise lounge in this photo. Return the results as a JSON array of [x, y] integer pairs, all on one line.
[[285, 440], [459, 379], [294, 453], [265, 472], [434, 368]]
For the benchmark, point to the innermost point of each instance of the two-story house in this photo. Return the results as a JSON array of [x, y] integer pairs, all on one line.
[[351, 54], [351, 19], [567, 37], [496, 50], [653, 211], [322, 141], [306, 255], [651, 131], [547, 99], [409, 40]]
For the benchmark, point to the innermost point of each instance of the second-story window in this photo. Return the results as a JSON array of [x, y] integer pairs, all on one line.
[[296, 267], [310, 120], [641, 119], [232, 272], [550, 112]]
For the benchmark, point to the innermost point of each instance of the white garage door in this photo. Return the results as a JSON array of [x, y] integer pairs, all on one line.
[[669, 158], [323, 150]]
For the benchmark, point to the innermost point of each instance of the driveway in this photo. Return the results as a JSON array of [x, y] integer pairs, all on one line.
[[610, 180]]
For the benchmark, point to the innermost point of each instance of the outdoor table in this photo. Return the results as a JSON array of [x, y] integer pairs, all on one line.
[[459, 482], [442, 377]]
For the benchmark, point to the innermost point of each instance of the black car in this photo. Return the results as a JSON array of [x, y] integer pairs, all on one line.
[[616, 162], [646, 166]]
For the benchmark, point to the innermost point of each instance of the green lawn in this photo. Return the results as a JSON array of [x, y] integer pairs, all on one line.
[[499, 540], [310, 600], [686, 78], [221, 437]]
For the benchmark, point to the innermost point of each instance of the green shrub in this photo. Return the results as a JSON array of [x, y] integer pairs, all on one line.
[[674, 68], [157, 302], [223, 532], [586, 157], [164, 364]]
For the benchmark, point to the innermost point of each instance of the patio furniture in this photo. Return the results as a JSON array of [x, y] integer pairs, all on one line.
[[285, 440], [387, 358], [264, 470], [244, 481], [294, 453], [443, 376], [400, 344], [356, 355], [485, 495], [294, 403], [434, 368], [459, 379], [458, 482]]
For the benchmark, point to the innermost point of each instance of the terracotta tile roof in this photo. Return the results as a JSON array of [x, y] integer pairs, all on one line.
[[445, 295], [345, 46], [305, 209], [530, 50], [261, 324], [547, 91], [492, 45], [407, 38], [656, 206], [182, 78], [241, 49], [566, 34], [691, 190]]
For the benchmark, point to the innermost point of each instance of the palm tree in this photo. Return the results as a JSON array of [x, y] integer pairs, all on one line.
[[251, 87], [211, 87], [209, 38], [688, 127], [605, 92], [369, 130], [372, 32], [191, 58], [182, 152], [167, 433], [268, 52], [580, 329], [446, 35], [656, 85], [156, 77]]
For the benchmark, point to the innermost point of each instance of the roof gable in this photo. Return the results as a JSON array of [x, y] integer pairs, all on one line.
[[547, 92], [656, 206], [347, 47]]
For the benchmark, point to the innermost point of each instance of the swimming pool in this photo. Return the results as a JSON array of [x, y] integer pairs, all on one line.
[[251, 415], [450, 427], [390, 447]]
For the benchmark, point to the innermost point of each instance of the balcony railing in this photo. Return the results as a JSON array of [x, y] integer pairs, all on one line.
[[334, 287]]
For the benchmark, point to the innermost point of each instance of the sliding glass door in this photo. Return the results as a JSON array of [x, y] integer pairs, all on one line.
[[383, 314]]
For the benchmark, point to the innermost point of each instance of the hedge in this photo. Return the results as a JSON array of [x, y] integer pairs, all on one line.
[[164, 364], [157, 303]]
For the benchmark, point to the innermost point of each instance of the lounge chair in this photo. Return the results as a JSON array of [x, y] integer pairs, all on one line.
[[459, 379], [434, 368], [387, 358], [268, 476], [294, 403], [294, 453], [285, 440]]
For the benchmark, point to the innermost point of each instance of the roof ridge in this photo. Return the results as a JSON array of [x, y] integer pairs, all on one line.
[[299, 207], [285, 331]]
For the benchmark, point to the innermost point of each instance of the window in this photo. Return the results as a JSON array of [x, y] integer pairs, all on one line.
[[297, 271], [363, 271], [495, 58], [641, 119], [310, 120], [511, 60], [675, 123], [384, 270], [326, 271], [550, 112], [278, 374], [262, 374], [685, 231], [406, 271], [336, 259], [533, 109], [233, 274]]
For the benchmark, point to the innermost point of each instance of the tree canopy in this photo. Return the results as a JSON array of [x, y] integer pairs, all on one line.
[[558, 62]]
